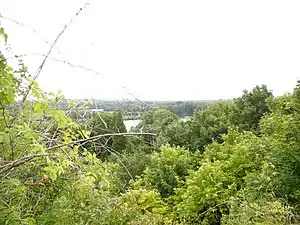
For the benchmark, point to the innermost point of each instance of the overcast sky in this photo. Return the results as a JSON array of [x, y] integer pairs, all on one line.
[[159, 49]]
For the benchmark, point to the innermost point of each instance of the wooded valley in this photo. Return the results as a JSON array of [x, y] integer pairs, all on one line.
[[235, 162]]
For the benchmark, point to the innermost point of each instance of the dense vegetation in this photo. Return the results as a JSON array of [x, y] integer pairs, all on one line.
[[235, 162]]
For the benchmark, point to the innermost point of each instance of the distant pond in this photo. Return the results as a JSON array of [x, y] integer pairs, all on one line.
[[131, 124]]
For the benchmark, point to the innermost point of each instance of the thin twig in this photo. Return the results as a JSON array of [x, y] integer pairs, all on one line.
[[9, 134], [97, 137], [37, 73], [55, 60], [28, 27]]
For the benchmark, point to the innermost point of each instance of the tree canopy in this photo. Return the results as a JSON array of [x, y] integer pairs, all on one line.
[[234, 162]]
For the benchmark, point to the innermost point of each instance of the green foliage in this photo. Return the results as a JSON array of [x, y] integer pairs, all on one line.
[[118, 142], [266, 211], [131, 164], [145, 207], [209, 124], [281, 129], [251, 107], [8, 83], [32, 171], [103, 123], [167, 170], [161, 118], [49, 174], [175, 134], [185, 108], [3, 34], [237, 165], [158, 120], [45, 178], [264, 169]]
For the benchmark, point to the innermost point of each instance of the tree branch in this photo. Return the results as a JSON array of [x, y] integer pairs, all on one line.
[[97, 137], [38, 71], [23, 160]]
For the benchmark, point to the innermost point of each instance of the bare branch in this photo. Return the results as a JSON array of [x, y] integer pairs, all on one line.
[[23, 160], [140, 101], [111, 150], [37, 73], [97, 137], [55, 59], [27, 27]]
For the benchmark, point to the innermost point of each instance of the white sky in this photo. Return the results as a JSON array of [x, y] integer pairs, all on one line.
[[160, 49]]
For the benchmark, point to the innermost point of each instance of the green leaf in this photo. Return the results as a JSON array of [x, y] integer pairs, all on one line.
[[3, 34], [2, 137]]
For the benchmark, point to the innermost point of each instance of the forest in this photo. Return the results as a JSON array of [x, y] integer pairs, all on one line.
[[235, 162]]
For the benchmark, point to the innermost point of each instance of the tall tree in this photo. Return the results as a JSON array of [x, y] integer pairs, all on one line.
[[251, 107], [210, 123], [103, 123], [118, 142], [156, 122]]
